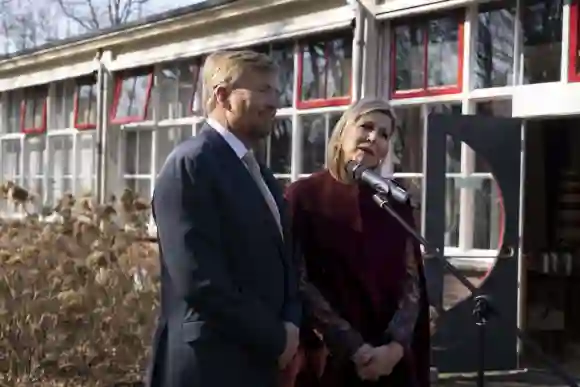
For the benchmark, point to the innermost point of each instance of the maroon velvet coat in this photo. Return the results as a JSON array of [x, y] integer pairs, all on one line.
[[353, 279]]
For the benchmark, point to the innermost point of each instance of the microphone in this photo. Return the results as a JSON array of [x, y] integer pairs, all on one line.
[[380, 184]]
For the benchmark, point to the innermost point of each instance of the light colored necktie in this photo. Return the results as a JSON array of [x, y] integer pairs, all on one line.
[[254, 169]]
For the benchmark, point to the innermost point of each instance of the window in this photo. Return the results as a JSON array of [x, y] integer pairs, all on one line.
[[276, 150], [85, 106], [132, 96], [316, 131], [86, 177], [13, 111], [324, 73], [33, 110], [177, 85], [63, 106], [427, 56], [574, 60], [60, 167], [542, 40], [137, 161], [494, 46]]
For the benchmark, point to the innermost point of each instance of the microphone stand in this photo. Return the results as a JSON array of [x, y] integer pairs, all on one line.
[[482, 310]]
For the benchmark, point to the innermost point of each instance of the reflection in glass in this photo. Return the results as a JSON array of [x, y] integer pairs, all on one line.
[[494, 48], [86, 172], [283, 56], [34, 108], [452, 213], [488, 216], [177, 85], [60, 167], [443, 52], [10, 159], [276, 150], [132, 99], [408, 140], [542, 39], [86, 105], [414, 187], [137, 152], [326, 67], [13, 111], [432, 45], [168, 138], [62, 116], [316, 131], [410, 57], [34, 163]]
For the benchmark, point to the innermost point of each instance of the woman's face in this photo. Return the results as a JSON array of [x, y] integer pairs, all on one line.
[[367, 140]]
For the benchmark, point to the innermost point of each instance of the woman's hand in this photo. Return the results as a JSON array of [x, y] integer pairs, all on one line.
[[384, 359]]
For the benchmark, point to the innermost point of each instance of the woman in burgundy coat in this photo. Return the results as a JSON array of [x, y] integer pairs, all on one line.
[[362, 274]]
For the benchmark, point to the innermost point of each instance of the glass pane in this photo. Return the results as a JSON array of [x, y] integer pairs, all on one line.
[[316, 130], [339, 67], [35, 99], [11, 152], [443, 51], [408, 140], [283, 56], [495, 44], [138, 144], [35, 147], [313, 71], [133, 97], [452, 203], [86, 105], [280, 152], [542, 39], [488, 215], [410, 57], [414, 187], [60, 153], [177, 83], [169, 138], [86, 170], [13, 110], [501, 108]]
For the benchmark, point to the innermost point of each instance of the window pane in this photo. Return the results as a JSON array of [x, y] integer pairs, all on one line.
[[10, 159], [137, 150], [488, 216], [133, 97], [443, 51], [60, 152], [34, 99], [338, 75], [177, 84], [313, 71], [316, 130], [169, 138], [86, 105], [414, 187], [410, 57], [63, 106], [283, 56], [452, 195], [408, 140], [542, 35], [141, 187], [13, 110], [86, 171], [35, 146], [495, 44], [280, 147]]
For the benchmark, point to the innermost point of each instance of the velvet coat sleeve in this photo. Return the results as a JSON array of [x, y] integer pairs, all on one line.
[[341, 338], [189, 230]]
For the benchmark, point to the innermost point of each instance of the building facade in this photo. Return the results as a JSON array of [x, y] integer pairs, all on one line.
[[101, 113]]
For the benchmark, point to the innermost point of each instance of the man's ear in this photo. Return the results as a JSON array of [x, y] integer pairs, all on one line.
[[222, 94]]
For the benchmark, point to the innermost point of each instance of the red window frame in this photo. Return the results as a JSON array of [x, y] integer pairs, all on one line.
[[24, 107], [574, 50], [427, 90], [119, 78], [80, 83], [319, 102]]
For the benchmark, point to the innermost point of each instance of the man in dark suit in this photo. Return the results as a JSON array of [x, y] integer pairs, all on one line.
[[230, 308]]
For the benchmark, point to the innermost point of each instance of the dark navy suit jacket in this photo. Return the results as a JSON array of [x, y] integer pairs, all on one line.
[[228, 279]]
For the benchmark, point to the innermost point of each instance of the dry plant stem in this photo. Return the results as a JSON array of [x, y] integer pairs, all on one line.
[[78, 294]]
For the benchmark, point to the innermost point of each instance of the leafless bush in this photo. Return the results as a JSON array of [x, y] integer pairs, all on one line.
[[78, 294]]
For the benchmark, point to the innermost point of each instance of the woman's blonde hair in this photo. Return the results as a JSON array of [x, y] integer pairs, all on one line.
[[335, 161]]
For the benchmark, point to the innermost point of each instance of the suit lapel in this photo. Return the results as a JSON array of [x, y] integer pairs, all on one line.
[[244, 183]]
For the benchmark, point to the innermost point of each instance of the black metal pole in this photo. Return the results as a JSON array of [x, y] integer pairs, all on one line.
[[481, 311], [488, 310]]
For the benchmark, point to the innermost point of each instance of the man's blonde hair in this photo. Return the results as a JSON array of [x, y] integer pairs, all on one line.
[[335, 161], [226, 67]]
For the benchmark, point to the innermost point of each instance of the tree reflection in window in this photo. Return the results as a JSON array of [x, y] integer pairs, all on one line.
[[316, 131], [282, 53], [326, 71], [408, 140], [34, 110], [177, 85], [86, 105], [132, 97], [542, 39], [427, 55], [494, 48]]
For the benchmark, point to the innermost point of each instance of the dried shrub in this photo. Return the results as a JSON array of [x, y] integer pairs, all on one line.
[[78, 294]]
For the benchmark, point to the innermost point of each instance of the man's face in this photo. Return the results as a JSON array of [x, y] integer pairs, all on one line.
[[253, 102]]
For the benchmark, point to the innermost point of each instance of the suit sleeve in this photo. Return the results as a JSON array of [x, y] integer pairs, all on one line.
[[189, 230], [338, 334]]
